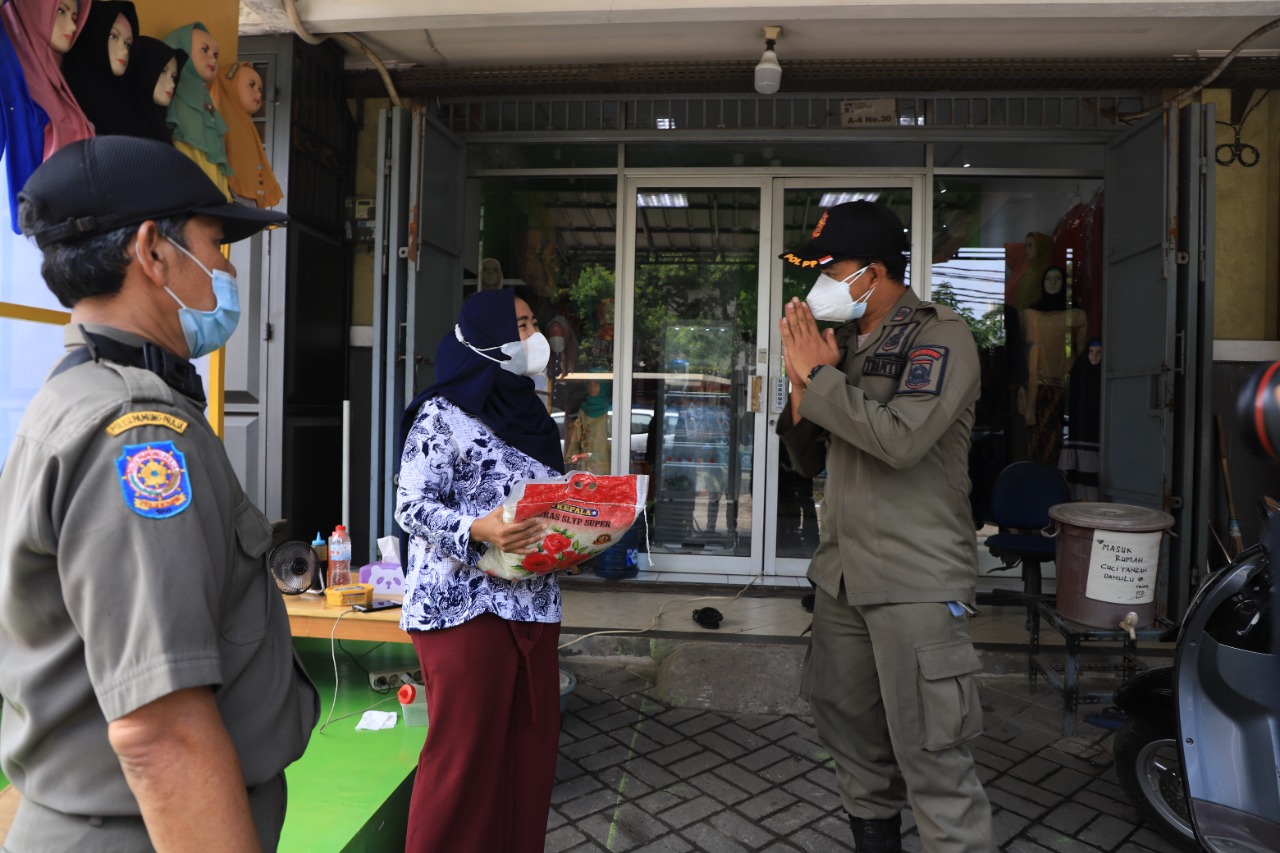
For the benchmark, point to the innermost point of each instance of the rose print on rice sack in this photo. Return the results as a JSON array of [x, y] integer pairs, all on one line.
[[538, 562], [555, 543]]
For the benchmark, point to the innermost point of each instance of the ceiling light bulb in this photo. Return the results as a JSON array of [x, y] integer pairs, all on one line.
[[768, 73], [768, 76]]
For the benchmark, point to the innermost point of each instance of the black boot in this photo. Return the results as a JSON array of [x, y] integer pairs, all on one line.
[[877, 836]]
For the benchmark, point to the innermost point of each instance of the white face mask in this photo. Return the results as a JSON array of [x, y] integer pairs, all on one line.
[[829, 298], [524, 358], [557, 343]]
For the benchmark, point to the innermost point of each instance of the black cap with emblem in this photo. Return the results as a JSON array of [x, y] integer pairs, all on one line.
[[97, 185], [856, 229]]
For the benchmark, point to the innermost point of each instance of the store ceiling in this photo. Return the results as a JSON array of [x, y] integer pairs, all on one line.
[[712, 45]]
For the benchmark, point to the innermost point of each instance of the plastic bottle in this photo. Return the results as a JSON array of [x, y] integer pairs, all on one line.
[[339, 557], [321, 549]]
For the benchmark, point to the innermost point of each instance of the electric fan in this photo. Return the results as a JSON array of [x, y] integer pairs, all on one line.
[[293, 565]]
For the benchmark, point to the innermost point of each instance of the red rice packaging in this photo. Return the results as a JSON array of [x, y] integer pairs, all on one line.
[[585, 513]]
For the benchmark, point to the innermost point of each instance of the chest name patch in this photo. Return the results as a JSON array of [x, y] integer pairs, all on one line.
[[926, 370], [153, 478], [132, 420], [884, 365]]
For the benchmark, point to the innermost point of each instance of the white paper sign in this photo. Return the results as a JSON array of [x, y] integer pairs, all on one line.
[[882, 112], [1122, 567]]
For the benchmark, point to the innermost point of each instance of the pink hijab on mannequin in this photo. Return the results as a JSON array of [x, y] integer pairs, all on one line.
[[30, 26]]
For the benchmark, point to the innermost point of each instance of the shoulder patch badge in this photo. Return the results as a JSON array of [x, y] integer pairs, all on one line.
[[154, 479], [926, 369], [902, 313], [139, 419]]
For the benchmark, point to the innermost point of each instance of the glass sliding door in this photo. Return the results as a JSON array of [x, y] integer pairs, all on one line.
[[691, 288], [794, 501]]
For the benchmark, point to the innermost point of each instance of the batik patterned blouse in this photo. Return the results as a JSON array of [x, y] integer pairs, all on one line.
[[455, 470]]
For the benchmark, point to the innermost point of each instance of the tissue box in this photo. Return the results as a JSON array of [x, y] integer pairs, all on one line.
[[387, 579], [348, 594]]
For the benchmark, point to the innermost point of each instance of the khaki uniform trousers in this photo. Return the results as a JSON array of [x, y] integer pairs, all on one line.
[[894, 696]]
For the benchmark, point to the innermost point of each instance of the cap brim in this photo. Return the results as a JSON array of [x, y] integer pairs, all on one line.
[[239, 221], [809, 258]]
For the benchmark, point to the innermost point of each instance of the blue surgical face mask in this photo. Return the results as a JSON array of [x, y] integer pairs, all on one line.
[[208, 331], [829, 298]]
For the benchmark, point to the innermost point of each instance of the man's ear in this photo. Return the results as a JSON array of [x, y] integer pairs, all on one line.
[[149, 254]]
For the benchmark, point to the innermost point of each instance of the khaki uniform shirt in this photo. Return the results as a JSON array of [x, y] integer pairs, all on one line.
[[132, 566], [891, 426]]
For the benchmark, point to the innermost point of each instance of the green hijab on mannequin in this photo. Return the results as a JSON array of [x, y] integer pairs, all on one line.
[[192, 115]]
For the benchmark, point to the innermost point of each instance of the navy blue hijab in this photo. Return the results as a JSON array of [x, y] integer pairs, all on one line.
[[506, 403]]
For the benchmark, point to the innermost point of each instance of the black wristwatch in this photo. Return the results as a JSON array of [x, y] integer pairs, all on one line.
[[812, 373]]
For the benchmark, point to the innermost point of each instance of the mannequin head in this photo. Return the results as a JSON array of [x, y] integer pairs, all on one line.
[[204, 55], [166, 83], [248, 84], [64, 25], [119, 43], [1055, 278]]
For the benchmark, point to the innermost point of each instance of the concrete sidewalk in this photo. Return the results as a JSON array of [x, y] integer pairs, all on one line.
[[637, 775]]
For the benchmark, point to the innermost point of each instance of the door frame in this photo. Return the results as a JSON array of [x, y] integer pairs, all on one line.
[[776, 567], [762, 560]]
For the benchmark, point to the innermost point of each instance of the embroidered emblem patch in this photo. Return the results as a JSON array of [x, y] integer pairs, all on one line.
[[926, 369], [897, 339], [822, 223], [154, 479], [903, 313], [138, 419]]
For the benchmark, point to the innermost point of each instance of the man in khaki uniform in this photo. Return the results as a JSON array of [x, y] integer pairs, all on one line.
[[885, 403], [151, 694]]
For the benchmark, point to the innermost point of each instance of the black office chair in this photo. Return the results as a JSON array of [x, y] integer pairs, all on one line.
[[1020, 501]]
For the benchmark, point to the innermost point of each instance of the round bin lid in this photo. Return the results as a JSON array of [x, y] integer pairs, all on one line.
[[1104, 516]]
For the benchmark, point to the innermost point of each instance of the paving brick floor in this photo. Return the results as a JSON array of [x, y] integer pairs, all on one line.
[[634, 775]]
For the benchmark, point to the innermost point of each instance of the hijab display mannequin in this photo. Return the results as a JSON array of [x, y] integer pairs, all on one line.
[[41, 31], [1027, 290], [1054, 335], [237, 94], [1080, 451], [21, 126], [587, 447], [152, 79], [95, 67], [197, 125]]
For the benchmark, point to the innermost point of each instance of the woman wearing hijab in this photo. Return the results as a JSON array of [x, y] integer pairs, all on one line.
[[41, 32], [487, 647], [150, 94], [197, 125], [95, 67]]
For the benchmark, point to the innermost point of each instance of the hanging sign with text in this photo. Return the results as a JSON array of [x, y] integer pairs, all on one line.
[[1122, 567], [875, 112]]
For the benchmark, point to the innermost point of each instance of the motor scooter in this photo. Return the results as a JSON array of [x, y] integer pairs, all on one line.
[[1199, 751]]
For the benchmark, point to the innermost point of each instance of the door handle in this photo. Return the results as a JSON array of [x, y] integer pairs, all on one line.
[[757, 391]]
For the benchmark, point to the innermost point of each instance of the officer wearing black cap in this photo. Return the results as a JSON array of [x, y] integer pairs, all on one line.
[[885, 403], [152, 697]]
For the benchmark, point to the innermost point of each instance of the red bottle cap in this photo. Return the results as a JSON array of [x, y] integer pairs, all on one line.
[[406, 694]]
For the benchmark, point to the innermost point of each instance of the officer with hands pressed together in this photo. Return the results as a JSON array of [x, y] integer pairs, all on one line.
[[885, 403], [152, 698]]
